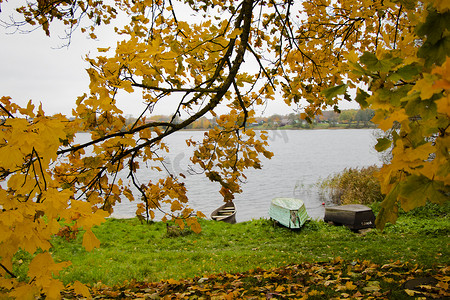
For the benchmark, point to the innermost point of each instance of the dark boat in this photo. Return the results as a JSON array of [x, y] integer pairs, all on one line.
[[354, 216], [226, 213]]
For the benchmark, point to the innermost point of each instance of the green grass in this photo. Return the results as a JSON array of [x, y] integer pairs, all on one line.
[[131, 250]]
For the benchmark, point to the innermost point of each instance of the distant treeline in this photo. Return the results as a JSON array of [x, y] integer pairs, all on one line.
[[351, 118]]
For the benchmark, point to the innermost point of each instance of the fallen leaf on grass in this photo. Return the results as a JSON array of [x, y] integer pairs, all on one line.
[[410, 292], [372, 286], [81, 289], [293, 281]]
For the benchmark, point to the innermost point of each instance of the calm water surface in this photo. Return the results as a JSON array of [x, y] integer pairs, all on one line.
[[302, 157]]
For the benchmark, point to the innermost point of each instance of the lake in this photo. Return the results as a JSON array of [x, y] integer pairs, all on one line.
[[301, 158]]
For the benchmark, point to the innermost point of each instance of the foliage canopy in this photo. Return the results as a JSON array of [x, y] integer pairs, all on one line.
[[202, 54]]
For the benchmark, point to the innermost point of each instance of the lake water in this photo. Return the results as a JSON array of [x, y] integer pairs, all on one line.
[[302, 157]]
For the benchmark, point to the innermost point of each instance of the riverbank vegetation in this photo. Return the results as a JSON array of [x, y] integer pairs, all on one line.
[[352, 186], [345, 119], [416, 246]]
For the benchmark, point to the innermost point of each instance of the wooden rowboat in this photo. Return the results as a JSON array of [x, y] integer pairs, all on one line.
[[289, 212], [226, 213]]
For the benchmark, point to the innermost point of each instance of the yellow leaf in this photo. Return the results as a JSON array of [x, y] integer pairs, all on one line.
[[55, 201], [235, 33], [172, 281], [25, 292], [200, 214], [11, 217], [30, 108], [175, 205], [53, 290], [386, 124], [442, 6], [180, 223], [43, 265], [6, 283], [410, 292], [128, 193], [87, 218], [443, 285], [315, 293], [372, 286], [280, 289], [81, 289], [425, 87], [10, 157], [193, 223], [420, 153], [103, 49], [349, 285], [90, 241], [351, 56], [443, 105]]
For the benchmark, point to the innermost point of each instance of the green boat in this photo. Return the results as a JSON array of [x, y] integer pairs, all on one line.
[[289, 212]]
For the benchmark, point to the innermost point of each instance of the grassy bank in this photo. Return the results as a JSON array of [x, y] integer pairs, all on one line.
[[131, 250]]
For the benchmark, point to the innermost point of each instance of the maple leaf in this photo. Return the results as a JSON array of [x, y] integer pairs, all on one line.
[[372, 286], [332, 92], [442, 5], [444, 72], [43, 263], [375, 64], [426, 87], [26, 292], [383, 144], [411, 292], [389, 208], [194, 225], [175, 205], [90, 241], [416, 190], [443, 105], [42, 268], [81, 289], [10, 157]]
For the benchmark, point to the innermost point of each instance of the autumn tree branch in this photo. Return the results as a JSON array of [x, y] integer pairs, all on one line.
[[8, 271], [6, 111]]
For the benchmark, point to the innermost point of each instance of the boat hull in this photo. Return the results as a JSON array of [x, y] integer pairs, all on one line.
[[354, 216], [289, 212], [226, 213]]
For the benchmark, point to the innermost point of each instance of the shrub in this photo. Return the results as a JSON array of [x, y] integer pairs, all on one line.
[[352, 186]]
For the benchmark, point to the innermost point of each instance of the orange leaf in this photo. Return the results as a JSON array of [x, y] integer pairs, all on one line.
[[193, 223], [350, 286], [200, 214], [175, 206], [172, 281]]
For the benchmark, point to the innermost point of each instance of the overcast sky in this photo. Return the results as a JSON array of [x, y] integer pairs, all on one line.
[[34, 66]]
